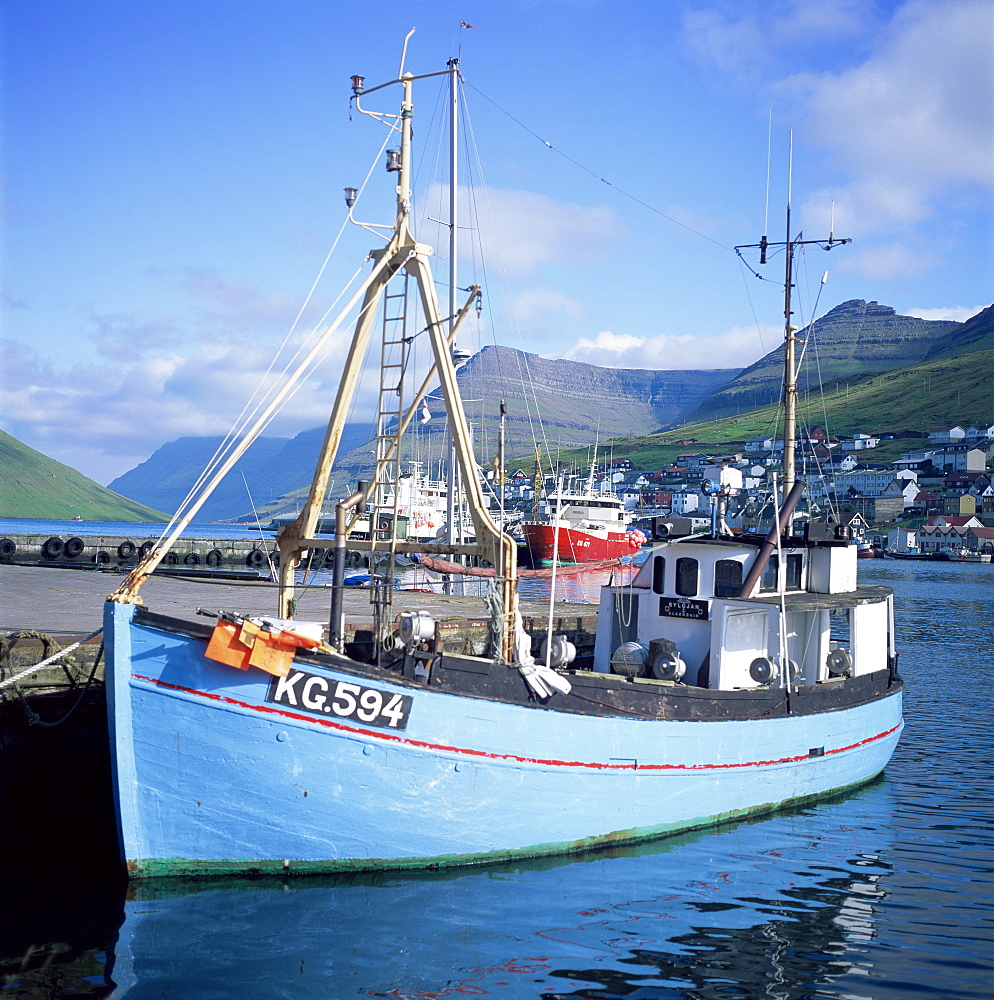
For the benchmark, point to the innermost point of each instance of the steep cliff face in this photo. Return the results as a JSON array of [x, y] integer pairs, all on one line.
[[574, 401], [559, 404], [853, 338]]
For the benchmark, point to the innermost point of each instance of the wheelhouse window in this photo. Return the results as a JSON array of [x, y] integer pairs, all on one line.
[[727, 577], [686, 577], [768, 581], [658, 574], [793, 581]]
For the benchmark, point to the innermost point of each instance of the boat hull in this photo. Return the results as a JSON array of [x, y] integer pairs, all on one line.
[[574, 545], [212, 775]]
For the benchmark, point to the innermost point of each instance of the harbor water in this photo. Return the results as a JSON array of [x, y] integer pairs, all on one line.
[[884, 894]]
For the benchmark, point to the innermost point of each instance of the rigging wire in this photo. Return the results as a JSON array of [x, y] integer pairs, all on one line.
[[263, 391], [524, 374], [594, 174]]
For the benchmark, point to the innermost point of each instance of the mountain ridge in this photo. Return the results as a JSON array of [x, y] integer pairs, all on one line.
[[575, 404], [852, 338]]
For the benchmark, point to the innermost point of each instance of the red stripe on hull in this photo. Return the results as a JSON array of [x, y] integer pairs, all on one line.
[[551, 762], [575, 546]]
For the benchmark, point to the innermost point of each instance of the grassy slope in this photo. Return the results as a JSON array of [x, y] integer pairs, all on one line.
[[917, 399], [35, 486]]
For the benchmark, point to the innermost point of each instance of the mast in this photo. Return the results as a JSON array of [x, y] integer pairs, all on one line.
[[790, 245], [403, 253], [789, 365], [453, 532]]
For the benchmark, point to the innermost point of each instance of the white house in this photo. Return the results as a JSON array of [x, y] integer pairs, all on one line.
[[976, 433], [947, 435], [684, 502], [858, 442]]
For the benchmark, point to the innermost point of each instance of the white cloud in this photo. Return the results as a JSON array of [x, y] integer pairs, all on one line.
[[958, 313], [749, 40], [524, 231], [540, 303], [886, 261], [901, 106], [736, 348], [919, 109], [910, 127], [157, 379]]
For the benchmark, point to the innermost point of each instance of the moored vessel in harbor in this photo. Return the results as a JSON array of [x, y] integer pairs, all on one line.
[[732, 677], [580, 526]]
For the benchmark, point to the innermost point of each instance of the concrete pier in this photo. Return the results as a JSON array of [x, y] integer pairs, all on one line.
[[232, 555], [68, 604]]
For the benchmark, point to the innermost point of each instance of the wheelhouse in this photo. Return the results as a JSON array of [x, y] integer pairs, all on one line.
[[799, 626]]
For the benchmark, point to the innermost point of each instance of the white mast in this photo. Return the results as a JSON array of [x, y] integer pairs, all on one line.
[[453, 508]]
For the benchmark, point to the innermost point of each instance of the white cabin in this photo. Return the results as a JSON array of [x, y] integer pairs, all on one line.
[[806, 623]]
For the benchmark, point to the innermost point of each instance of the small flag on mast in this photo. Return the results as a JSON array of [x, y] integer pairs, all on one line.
[[425, 412], [463, 24]]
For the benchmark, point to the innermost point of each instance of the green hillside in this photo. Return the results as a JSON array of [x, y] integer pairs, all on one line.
[[976, 334], [908, 402], [855, 337], [35, 486]]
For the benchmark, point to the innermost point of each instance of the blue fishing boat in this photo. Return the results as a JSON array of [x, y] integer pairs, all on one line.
[[732, 677]]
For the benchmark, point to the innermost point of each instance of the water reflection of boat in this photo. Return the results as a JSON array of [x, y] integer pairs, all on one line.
[[793, 894]]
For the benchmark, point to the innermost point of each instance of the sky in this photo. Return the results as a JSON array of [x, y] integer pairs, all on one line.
[[173, 174]]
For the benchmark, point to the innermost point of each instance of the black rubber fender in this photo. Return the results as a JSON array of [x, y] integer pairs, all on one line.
[[191, 559], [74, 547], [53, 547], [214, 558], [7, 547], [126, 549], [255, 559]]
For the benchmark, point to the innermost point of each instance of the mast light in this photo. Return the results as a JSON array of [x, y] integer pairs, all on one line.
[[393, 159], [357, 82], [350, 196]]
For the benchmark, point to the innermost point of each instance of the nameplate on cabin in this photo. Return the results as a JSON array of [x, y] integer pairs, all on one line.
[[340, 700], [683, 607]]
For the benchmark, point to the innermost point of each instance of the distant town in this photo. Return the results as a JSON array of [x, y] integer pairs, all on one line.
[[935, 501]]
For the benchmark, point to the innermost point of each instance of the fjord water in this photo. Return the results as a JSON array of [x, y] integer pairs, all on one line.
[[885, 893]]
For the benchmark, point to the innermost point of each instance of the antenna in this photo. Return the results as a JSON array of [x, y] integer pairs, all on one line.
[[766, 214], [403, 53]]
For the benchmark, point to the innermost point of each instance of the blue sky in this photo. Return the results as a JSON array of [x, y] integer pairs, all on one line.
[[173, 174]]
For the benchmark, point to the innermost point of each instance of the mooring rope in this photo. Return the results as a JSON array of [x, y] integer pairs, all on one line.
[[10, 681]]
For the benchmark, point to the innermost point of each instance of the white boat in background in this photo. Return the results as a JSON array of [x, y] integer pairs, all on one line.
[[734, 676]]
